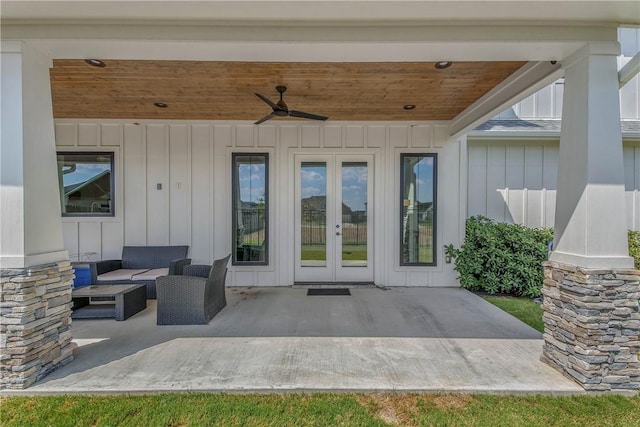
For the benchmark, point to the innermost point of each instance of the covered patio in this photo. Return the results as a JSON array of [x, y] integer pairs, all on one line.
[[167, 94], [280, 339]]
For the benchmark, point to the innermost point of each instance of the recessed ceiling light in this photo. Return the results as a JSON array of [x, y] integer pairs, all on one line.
[[95, 62], [441, 65], [409, 106], [160, 104]]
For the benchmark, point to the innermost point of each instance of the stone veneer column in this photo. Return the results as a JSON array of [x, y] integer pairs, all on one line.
[[592, 326], [35, 336]]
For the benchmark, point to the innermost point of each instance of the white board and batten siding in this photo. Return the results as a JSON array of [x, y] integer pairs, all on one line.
[[515, 181], [173, 187]]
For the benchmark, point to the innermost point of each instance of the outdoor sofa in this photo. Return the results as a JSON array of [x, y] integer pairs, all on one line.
[[193, 298], [141, 264]]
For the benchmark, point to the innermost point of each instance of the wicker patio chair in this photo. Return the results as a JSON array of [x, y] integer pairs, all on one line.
[[191, 300]]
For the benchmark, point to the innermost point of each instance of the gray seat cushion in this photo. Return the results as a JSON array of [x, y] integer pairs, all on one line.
[[150, 257]]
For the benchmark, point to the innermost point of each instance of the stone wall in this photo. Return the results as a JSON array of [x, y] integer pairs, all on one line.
[[35, 322], [592, 326]]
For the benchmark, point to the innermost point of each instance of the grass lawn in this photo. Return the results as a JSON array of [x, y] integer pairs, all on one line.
[[198, 409], [522, 308], [319, 253]]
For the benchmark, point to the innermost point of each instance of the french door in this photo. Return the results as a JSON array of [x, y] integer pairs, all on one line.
[[334, 218]]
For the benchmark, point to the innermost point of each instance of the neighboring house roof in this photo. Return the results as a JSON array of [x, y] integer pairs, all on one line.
[[541, 128], [69, 189]]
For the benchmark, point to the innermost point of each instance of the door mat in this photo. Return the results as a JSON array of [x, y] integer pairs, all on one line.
[[328, 291]]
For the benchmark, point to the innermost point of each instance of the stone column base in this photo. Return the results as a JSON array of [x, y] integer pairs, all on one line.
[[35, 322], [592, 326]]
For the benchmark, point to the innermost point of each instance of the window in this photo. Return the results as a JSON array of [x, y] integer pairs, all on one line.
[[418, 209], [86, 184], [250, 209]]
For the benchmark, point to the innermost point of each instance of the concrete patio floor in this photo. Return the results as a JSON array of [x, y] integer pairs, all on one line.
[[280, 339]]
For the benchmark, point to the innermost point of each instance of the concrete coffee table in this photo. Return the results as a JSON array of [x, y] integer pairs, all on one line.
[[128, 300]]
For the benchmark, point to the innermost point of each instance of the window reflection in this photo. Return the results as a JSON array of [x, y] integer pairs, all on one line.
[[250, 208], [86, 183], [313, 224], [418, 190], [354, 214]]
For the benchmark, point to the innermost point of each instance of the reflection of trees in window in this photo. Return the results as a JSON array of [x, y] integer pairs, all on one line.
[[250, 208], [418, 190], [86, 183]]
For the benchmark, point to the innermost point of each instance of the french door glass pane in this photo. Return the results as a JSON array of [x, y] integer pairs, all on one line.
[[418, 209], [354, 214], [313, 232]]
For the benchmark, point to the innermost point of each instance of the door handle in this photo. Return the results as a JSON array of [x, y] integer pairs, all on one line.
[[338, 233]]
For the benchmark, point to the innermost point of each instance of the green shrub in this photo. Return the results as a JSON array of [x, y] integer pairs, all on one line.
[[507, 258], [634, 247], [501, 258]]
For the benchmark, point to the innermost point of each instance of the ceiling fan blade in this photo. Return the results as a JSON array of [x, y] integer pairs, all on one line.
[[268, 101], [265, 118], [302, 114]]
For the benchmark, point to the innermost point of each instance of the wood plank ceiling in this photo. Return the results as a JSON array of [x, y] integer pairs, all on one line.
[[196, 90]]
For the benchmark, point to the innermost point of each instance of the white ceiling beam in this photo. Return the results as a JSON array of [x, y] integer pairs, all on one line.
[[339, 31], [305, 51], [532, 77], [629, 70]]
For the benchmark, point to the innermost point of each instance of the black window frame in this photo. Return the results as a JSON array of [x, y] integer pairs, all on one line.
[[434, 237], [112, 184], [234, 219]]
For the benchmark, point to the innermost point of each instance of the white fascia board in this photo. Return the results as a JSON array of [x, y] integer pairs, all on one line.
[[511, 134], [477, 135], [629, 70], [530, 78], [533, 11]]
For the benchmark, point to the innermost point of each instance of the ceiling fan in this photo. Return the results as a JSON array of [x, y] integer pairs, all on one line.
[[280, 109]]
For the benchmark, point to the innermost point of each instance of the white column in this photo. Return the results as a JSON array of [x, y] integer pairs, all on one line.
[[30, 225], [590, 222]]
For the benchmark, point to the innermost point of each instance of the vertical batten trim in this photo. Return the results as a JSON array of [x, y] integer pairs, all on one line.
[[486, 180], [167, 177], [463, 188], [365, 136], [506, 211], [212, 212], [146, 183], [189, 195], [525, 206]]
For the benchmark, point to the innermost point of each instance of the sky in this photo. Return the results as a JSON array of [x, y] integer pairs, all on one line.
[[354, 184], [251, 178], [83, 172], [424, 179]]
